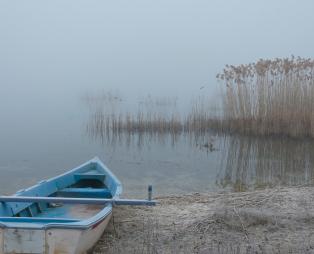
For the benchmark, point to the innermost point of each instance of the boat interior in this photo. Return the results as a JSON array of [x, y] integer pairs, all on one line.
[[90, 181]]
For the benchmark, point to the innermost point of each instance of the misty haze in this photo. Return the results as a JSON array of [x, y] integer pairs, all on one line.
[[209, 103]]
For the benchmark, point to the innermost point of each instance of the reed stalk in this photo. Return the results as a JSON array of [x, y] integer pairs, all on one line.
[[269, 97]]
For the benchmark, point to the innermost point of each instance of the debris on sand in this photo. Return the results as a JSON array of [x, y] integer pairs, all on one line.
[[267, 221]]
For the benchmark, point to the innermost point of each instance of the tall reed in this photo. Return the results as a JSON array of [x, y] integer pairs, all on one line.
[[269, 97], [197, 121]]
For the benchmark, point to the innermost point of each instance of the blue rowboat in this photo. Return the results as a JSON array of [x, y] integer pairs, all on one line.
[[65, 214]]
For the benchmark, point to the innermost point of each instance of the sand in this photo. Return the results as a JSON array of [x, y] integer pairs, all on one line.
[[267, 221]]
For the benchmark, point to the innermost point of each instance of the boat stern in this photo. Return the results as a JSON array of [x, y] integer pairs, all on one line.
[[63, 241], [52, 241], [16, 240], [74, 241]]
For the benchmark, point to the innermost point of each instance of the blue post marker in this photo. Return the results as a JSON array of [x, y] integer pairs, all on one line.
[[150, 192]]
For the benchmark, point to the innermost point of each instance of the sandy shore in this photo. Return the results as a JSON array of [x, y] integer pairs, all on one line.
[[268, 221]]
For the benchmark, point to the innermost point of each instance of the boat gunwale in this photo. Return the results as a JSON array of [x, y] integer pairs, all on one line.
[[80, 224]]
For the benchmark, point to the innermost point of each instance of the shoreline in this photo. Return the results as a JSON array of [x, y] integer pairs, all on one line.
[[279, 220]]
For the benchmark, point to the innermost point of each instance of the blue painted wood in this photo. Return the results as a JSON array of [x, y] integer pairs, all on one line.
[[90, 175], [37, 220], [38, 190], [85, 193], [89, 183], [93, 201], [93, 170]]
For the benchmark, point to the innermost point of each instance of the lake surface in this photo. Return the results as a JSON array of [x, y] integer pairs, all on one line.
[[37, 144]]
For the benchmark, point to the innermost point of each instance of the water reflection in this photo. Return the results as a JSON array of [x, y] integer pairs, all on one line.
[[205, 160], [204, 141], [244, 163], [254, 163]]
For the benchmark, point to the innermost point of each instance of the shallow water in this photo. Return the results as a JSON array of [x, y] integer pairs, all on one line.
[[40, 145]]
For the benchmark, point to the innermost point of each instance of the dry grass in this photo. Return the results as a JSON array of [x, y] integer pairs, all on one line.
[[269, 97], [270, 221]]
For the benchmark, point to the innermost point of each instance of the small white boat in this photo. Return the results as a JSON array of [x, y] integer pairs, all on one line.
[[65, 214]]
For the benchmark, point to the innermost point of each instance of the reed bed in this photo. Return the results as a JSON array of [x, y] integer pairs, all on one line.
[[153, 124], [269, 97], [152, 117]]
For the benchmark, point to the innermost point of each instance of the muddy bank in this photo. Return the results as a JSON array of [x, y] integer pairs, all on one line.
[[269, 221]]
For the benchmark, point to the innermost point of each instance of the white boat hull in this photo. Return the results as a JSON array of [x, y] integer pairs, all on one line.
[[52, 240]]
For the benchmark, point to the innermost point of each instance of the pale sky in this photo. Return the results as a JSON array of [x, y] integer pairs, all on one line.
[[61, 48]]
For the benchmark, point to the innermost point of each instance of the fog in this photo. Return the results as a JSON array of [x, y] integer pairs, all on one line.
[[61, 48], [53, 52]]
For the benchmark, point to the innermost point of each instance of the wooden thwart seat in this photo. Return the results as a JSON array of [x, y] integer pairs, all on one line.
[[90, 176], [85, 193]]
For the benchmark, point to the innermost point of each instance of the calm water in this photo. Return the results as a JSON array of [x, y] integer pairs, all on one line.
[[52, 54], [37, 144]]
